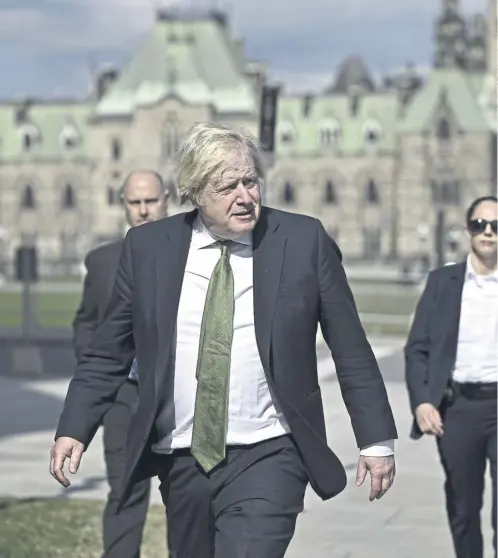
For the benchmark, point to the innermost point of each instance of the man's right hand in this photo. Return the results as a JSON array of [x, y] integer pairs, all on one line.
[[65, 447], [429, 419]]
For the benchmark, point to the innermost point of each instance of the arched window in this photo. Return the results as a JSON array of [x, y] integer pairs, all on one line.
[[170, 138], [68, 197], [288, 194], [372, 194], [28, 200], [330, 194]]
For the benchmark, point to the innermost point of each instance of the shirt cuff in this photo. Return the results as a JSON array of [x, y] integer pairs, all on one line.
[[382, 449]]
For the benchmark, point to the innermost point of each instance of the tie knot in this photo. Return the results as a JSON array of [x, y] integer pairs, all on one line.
[[224, 247]]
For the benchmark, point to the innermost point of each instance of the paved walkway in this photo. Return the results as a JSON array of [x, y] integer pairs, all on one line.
[[407, 523]]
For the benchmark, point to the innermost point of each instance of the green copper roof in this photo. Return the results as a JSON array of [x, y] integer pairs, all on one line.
[[378, 110], [462, 98], [49, 124], [195, 60]]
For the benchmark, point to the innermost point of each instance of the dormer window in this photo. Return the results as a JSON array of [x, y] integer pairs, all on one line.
[[69, 137], [30, 137], [372, 133]]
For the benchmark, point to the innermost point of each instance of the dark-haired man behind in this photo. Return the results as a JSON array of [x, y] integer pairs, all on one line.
[[145, 200], [452, 372]]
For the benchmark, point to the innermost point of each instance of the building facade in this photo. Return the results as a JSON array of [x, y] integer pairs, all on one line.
[[378, 164]]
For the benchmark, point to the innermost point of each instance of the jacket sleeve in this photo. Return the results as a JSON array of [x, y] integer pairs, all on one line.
[[86, 318], [360, 380], [418, 346], [104, 365]]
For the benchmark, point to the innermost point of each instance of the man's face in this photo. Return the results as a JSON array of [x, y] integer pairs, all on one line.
[[231, 203], [482, 230], [144, 199]]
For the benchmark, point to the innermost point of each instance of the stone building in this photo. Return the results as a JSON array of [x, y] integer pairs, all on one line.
[[376, 163]]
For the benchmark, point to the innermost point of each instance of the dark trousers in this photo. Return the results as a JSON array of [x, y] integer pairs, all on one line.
[[469, 441], [122, 532], [245, 508]]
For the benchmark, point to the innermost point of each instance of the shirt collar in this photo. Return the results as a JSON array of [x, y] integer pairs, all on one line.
[[470, 273], [201, 237]]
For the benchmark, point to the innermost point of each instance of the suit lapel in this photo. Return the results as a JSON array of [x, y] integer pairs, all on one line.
[[453, 305], [170, 269], [268, 253]]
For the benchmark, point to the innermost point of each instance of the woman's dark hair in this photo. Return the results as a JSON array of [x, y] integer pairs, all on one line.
[[476, 203]]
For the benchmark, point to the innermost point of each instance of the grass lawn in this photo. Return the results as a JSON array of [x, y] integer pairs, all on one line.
[[65, 528], [56, 310]]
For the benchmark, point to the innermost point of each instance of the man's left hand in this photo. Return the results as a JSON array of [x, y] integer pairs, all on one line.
[[382, 472]]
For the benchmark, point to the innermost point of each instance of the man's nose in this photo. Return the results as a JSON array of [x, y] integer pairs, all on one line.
[[488, 231], [243, 195], [143, 208]]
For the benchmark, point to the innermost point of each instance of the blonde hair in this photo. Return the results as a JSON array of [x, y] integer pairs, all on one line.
[[202, 153]]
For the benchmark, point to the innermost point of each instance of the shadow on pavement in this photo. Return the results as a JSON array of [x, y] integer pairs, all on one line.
[[24, 410]]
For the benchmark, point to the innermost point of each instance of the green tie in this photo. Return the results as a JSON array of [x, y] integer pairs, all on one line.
[[213, 367]]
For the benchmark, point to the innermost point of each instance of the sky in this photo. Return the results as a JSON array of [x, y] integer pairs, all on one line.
[[52, 47]]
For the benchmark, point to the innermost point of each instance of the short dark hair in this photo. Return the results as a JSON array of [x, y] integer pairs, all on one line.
[[476, 203]]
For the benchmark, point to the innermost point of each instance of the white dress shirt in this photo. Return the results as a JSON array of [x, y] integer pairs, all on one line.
[[253, 413], [477, 349]]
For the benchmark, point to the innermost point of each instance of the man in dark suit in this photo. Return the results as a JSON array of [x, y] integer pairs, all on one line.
[[221, 306], [451, 373], [145, 200]]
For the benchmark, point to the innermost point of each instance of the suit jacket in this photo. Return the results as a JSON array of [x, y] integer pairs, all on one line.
[[298, 282], [101, 265], [430, 351]]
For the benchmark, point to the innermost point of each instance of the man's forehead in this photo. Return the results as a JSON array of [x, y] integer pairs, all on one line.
[[141, 184], [486, 208], [236, 166]]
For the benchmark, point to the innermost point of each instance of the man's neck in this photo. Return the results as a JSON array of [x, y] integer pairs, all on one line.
[[483, 267]]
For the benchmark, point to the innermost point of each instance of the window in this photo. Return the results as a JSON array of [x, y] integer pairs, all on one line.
[[28, 198], [446, 192], [330, 195], [372, 195], [443, 129], [69, 137], [68, 197], [286, 133], [30, 137], [372, 133], [170, 139], [371, 243], [113, 196], [288, 194], [116, 149], [330, 134]]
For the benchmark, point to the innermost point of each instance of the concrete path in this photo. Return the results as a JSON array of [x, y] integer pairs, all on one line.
[[409, 522]]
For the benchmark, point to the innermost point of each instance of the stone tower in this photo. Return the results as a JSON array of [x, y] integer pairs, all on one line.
[[451, 37]]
